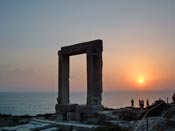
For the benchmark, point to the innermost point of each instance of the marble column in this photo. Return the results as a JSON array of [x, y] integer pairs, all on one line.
[[63, 80], [94, 78]]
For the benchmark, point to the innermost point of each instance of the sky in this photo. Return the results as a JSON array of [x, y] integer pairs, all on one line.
[[138, 40]]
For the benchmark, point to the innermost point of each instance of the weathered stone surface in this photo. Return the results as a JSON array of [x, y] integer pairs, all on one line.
[[73, 116], [33, 125], [23, 129], [129, 113], [93, 50], [68, 107], [51, 129], [95, 46]]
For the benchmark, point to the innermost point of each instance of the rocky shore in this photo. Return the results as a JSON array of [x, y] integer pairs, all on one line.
[[10, 120], [160, 118]]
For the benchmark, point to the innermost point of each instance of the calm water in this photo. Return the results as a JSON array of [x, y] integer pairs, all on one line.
[[40, 103]]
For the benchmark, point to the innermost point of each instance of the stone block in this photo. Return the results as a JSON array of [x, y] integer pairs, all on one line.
[[50, 129], [73, 116], [81, 108], [67, 107], [95, 108]]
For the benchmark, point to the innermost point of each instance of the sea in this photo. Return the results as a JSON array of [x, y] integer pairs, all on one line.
[[33, 103]]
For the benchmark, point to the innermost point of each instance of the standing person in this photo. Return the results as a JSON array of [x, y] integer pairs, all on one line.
[[132, 103], [139, 103], [147, 103], [142, 103]]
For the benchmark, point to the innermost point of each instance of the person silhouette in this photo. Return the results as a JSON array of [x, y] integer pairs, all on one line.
[[147, 103], [132, 103], [139, 103], [142, 103]]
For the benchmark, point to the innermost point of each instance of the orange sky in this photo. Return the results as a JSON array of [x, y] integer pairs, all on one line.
[[138, 41], [123, 72]]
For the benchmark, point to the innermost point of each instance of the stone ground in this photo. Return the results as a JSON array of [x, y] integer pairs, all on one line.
[[9, 120], [47, 125]]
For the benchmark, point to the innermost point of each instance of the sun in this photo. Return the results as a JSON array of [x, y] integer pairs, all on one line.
[[141, 81]]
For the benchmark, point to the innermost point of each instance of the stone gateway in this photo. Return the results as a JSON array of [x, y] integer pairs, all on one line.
[[93, 50]]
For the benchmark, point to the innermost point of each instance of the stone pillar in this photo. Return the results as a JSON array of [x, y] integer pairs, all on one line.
[[90, 78], [94, 78], [98, 76], [63, 80]]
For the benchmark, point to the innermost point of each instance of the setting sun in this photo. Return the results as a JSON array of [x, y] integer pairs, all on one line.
[[141, 81]]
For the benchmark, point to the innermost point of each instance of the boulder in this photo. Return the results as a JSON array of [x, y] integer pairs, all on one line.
[[129, 113], [23, 129]]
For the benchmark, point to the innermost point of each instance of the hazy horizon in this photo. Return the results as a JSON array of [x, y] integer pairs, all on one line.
[[138, 42], [84, 91]]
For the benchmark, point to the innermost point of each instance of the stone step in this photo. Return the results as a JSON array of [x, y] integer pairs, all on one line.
[[51, 129], [33, 125]]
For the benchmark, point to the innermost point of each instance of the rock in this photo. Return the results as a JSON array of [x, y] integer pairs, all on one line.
[[172, 121], [161, 125], [157, 108], [169, 113], [129, 113], [23, 129], [50, 129]]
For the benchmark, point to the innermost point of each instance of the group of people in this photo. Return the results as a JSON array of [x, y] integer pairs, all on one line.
[[141, 103]]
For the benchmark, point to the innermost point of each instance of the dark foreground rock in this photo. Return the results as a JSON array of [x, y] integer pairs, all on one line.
[[10, 120], [130, 113]]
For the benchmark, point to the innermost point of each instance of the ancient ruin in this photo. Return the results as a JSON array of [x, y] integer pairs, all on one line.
[[64, 109]]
